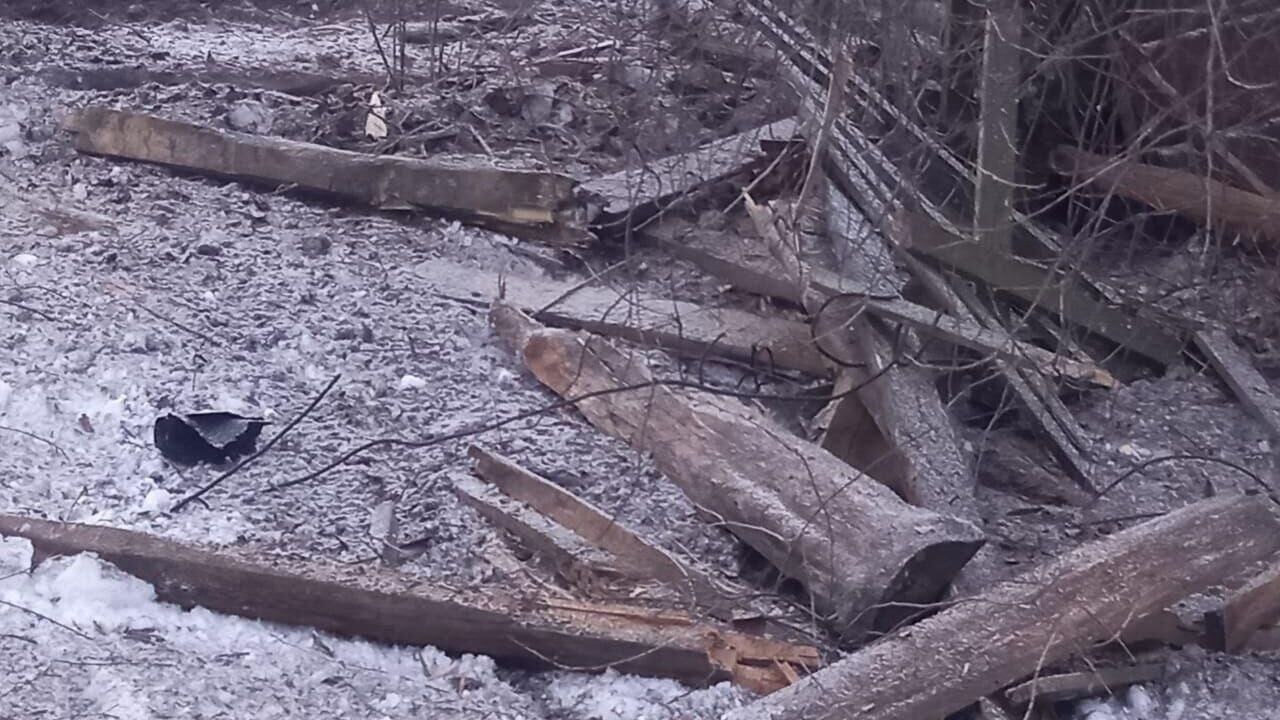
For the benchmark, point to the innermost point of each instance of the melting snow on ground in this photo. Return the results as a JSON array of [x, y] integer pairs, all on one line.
[[81, 629]]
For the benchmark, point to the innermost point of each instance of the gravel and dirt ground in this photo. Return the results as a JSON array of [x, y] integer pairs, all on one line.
[[127, 291]]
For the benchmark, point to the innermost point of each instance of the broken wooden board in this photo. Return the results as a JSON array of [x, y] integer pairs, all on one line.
[[846, 538], [687, 329], [386, 606], [1197, 197], [632, 197], [1235, 368], [1244, 611], [1080, 685], [582, 565], [634, 557], [538, 205], [974, 648]]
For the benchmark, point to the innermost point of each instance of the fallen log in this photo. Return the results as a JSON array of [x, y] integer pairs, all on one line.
[[684, 328], [386, 606], [963, 333], [978, 646], [1245, 610], [901, 398], [1197, 197], [538, 205], [849, 541]]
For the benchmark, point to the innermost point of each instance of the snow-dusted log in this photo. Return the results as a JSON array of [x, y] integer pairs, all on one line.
[[387, 606], [853, 544], [947, 662], [540, 205]]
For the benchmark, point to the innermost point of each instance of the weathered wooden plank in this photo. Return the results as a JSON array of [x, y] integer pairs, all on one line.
[[966, 334], [846, 538], [1088, 595], [1049, 417], [1060, 294], [681, 327], [535, 204], [582, 565], [386, 606]]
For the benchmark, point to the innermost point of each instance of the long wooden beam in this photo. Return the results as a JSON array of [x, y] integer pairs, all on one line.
[[386, 606]]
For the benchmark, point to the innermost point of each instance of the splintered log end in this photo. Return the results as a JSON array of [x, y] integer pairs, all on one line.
[[918, 583]]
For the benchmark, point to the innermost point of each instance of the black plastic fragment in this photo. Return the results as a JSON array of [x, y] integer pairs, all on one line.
[[209, 437]]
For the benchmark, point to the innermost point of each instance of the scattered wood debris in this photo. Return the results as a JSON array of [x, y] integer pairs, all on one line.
[[633, 556], [539, 205], [978, 646], [847, 539], [388, 606]]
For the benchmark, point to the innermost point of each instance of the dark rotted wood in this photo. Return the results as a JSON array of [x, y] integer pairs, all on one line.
[[1195, 196], [846, 538], [976, 647], [535, 204], [387, 606]]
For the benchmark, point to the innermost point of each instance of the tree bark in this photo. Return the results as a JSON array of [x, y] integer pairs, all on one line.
[[947, 662]]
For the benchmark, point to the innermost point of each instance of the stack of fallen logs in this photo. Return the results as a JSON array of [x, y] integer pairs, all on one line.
[[876, 522]]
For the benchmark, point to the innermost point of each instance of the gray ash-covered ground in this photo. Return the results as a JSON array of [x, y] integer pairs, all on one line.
[[127, 291]]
